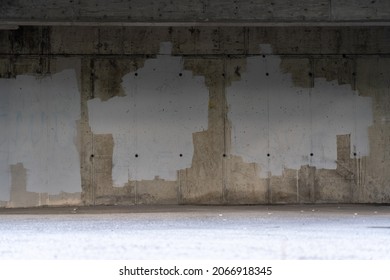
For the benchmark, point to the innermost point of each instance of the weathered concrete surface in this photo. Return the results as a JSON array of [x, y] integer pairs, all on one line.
[[38, 155], [196, 40], [315, 129], [192, 232], [172, 12], [370, 170], [162, 105]]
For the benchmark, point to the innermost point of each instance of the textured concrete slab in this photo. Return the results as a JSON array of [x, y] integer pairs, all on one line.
[[174, 12], [195, 232]]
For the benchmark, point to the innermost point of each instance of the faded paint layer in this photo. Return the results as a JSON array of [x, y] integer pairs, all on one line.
[[152, 124], [38, 124]]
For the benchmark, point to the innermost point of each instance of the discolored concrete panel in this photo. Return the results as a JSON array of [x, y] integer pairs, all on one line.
[[38, 124], [162, 106], [279, 125], [372, 78]]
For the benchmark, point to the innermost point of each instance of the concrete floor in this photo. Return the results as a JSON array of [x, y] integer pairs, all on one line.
[[197, 232]]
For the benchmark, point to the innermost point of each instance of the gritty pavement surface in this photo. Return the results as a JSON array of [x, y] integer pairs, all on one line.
[[197, 232]]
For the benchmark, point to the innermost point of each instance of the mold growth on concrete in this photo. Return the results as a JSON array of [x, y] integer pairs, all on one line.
[[152, 124], [38, 123]]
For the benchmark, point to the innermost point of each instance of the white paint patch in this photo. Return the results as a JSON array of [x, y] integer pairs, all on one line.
[[272, 116], [155, 119], [38, 128]]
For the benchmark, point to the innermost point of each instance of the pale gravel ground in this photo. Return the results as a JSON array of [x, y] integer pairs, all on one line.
[[199, 232]]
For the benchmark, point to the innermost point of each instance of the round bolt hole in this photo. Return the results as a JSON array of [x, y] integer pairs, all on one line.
[[267, 74], [263, 55], [181, 155], [354, 154], [180, 74], [310, 74], [311, 154], [223, 74], [224, 155], [92, 155], [135, 74], [136, 155], [268, 155]]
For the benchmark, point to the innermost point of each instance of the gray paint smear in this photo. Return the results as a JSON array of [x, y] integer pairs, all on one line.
[[271, 115], [155, 119], [38, 128]]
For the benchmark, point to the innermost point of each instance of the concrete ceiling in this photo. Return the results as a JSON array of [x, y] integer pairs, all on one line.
[[14, 13]]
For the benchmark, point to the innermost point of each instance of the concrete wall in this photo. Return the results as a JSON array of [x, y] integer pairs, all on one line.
[[205, 115], [174, 12]]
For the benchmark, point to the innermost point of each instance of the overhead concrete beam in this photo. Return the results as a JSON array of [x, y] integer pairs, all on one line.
[[8, 27], [189, 12]]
